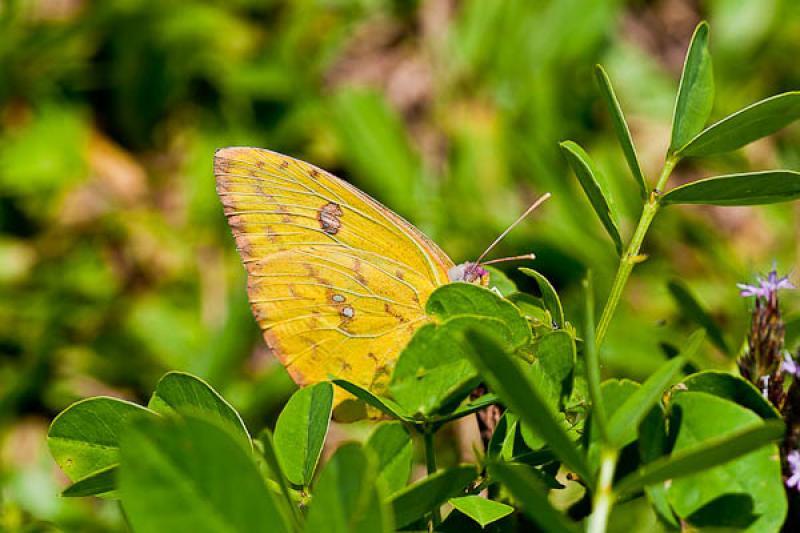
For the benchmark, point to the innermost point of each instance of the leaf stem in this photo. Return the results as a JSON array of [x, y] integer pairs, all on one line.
[[631, 256], [604, 496], [430, 463]]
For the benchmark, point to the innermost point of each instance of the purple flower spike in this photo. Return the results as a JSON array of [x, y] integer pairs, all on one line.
[[766, 286], [789, 365], [794, 465]]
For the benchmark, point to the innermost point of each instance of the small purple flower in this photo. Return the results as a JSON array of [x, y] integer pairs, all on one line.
[[766, 286], [793, 458], [789, 365]]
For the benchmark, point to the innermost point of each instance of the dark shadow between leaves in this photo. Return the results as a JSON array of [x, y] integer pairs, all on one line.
[[729, 511]]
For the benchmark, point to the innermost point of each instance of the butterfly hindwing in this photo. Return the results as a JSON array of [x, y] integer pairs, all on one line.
[[337, 282]]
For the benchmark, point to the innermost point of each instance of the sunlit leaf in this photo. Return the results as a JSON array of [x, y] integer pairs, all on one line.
[[178, 392], [585, 171], [695, 92], [621, 129], [750, 188], [745, 126], [190, 474], [480, 509], [300, 431]]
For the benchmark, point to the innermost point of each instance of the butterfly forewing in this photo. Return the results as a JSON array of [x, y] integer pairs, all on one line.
[[337, 282]]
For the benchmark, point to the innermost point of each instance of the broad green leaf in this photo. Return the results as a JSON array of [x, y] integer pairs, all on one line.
[[483, 511], [585, 171], [84, 437], [416, 500], [621, 129], [531, 494], [731, 388], [745, 126], [178, 392], [549, 296], [266, 446], [498, 280], [100, 482], [433, 372], [693, 310], [384, 405], [300, 431], [346, 496], [392, 446], [695, 92], [750, 188], [703, 419], [190, 474], [501, 445], [555, 352], [713, 452], [635, 408], [533, 309], [507, 379], [459, 299]]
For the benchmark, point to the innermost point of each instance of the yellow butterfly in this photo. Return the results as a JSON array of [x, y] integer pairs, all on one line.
[[337, 281]]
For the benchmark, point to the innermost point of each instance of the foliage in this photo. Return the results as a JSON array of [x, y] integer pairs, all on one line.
[[115, 265]]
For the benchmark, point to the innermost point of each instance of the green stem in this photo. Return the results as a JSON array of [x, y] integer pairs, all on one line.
[[430, 463], [631, 256], [603, 499]]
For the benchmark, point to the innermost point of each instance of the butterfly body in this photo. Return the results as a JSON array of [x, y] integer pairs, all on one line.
[[337, 282]]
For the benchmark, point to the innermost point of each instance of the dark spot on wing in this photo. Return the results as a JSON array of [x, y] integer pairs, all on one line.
[[328, 216]]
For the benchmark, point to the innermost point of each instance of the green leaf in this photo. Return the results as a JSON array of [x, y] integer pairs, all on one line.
[[84, 437], [695, 92], [498, 280], [584, 170], [418, 499], [100, 482], [707, 418], [432, 372], [346, 496], [621, 129], [731, 388], [745, 126], [459, 299], [507, 379], [749, 188], [549, 296], [693, 310], [531, 493], [384, 405], [392, 446], [190, 474], [483, 511], [704, 420], [635, 408], [300, 431], [179, 392]]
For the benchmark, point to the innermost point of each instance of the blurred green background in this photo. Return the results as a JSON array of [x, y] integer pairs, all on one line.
[[116, 263]]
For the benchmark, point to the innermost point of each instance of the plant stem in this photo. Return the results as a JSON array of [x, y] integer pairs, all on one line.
[[631, 256], [604, 496], [430, 463]]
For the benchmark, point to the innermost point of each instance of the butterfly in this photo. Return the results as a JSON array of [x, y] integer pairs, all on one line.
[[337, 281]]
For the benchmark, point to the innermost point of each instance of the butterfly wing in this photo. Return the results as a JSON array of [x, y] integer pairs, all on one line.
[[337, 282]]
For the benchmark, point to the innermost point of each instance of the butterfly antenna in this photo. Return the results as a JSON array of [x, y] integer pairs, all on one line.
[[513, 225]]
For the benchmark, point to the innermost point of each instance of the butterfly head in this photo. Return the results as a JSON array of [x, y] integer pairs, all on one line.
[[469, 272]]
